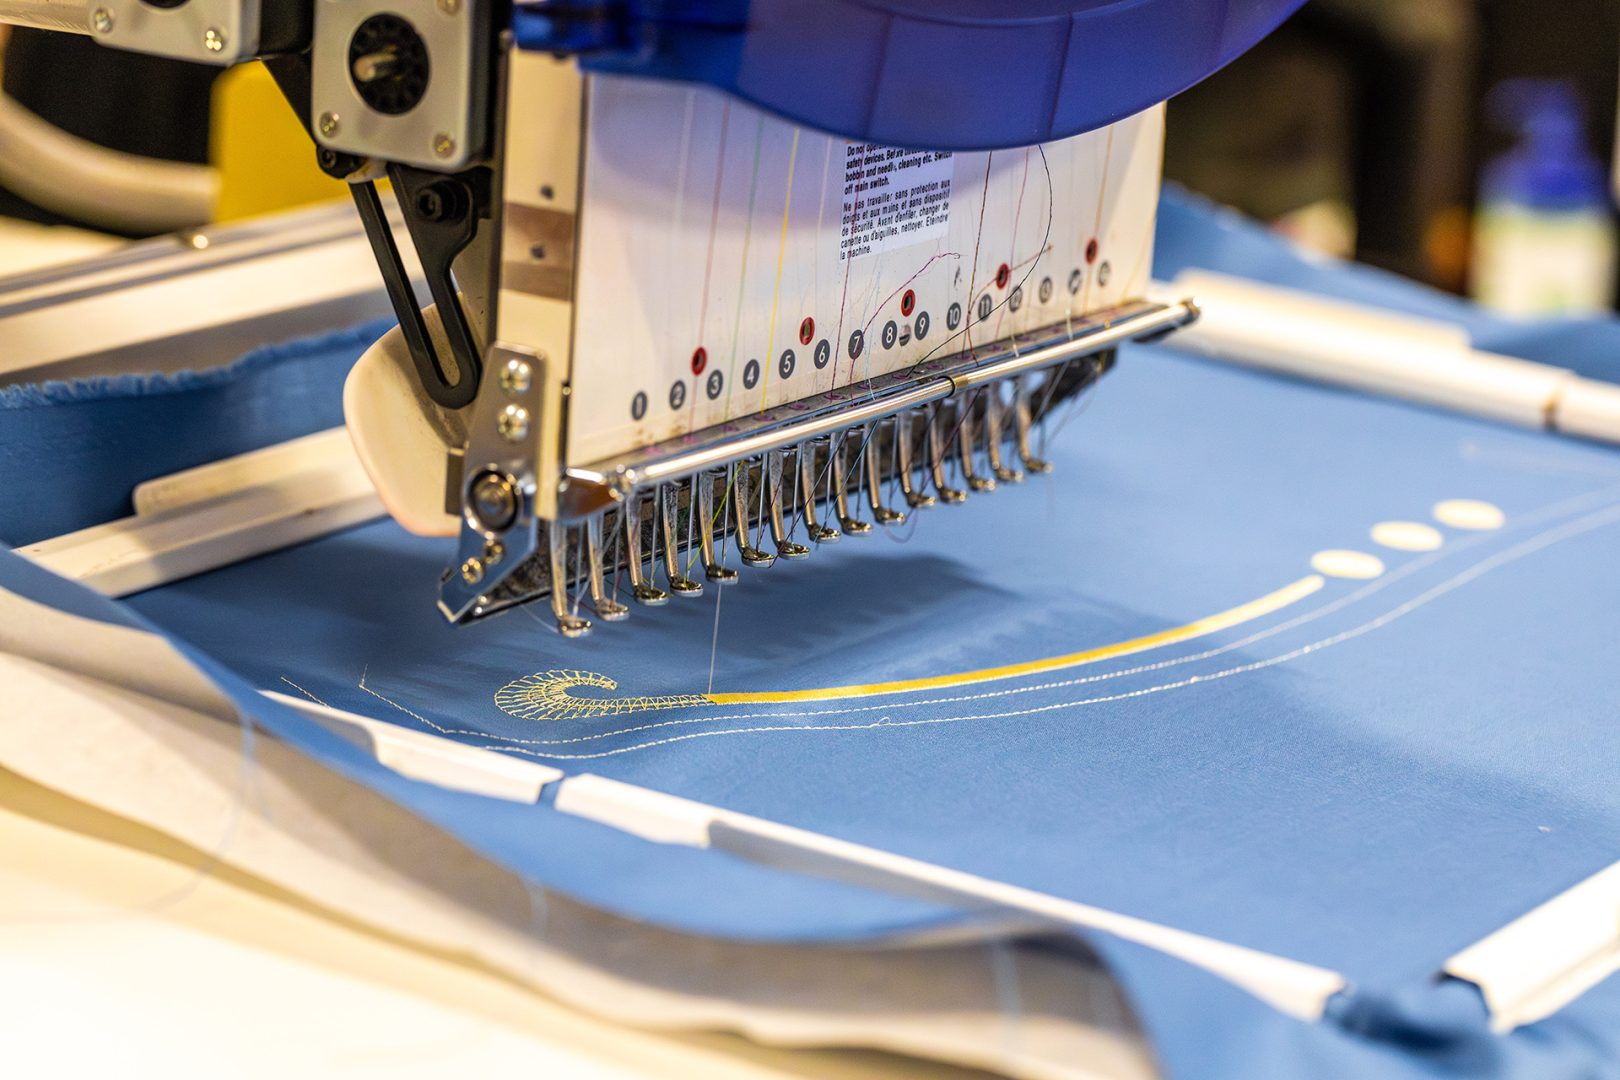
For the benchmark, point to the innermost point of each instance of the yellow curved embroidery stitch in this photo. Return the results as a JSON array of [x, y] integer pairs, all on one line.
[[1243, 613], [548, 695]]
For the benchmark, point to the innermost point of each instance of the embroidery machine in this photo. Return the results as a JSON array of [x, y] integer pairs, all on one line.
[[710, 274]]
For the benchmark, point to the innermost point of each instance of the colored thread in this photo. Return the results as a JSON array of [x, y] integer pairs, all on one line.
[[781, 257], [742, 272]]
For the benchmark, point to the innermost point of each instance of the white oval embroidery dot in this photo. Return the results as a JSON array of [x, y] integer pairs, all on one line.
[[1407, 536], [1469, 514], [1347, 564]]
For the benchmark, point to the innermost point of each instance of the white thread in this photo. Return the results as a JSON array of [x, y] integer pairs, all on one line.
[[714, 641], [1362, 593], [1519, 551], [301, 690], [1536, 516], [1472, 451]]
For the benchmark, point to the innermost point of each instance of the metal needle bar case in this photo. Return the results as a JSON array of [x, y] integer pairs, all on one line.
[[715, 275]]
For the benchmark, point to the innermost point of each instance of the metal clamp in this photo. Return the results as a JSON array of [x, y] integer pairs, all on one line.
[[499, 530]]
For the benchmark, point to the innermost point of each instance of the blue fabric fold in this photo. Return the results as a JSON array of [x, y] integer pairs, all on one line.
[[72, 452], [714, 893], [1371, 805], [1202, 1028]]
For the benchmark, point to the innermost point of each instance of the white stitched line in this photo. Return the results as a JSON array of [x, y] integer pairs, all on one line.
[[301, 690], [1528, 547], [418, 716], [1406, 570], [1472, 451]]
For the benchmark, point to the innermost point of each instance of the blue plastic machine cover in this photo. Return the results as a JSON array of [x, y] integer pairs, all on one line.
[[941, 74]]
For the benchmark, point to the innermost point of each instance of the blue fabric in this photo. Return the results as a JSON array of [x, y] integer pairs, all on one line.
[[1200, 1026], [69, 468], [713, 893], [1367, 780], [1370, 806]]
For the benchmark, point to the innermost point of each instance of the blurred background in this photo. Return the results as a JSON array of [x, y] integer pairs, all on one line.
[[1463, 143]]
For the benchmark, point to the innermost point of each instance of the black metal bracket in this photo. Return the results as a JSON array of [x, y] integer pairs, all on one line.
[[442, 212]]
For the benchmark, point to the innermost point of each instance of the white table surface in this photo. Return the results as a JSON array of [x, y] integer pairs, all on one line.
[[124, 953]]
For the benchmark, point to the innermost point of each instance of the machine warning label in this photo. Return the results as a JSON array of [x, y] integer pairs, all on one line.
[[892, 198]]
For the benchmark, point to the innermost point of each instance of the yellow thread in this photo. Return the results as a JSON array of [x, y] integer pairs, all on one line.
[[547, 695], [1096, 228], [781, 257], [1254, 609]]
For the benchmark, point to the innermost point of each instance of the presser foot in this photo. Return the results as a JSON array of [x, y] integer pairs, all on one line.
[[949, 427], [801, 499]]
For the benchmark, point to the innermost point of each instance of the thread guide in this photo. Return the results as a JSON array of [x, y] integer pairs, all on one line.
[[792, 478]]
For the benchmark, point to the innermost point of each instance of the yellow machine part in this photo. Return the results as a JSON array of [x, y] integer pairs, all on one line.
[[266, 160]]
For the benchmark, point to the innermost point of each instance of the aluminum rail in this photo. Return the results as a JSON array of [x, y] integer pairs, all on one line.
[[70, 16], [622, 476]]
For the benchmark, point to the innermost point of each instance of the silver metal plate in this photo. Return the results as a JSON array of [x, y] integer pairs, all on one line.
[[440, 132], [217, 32]]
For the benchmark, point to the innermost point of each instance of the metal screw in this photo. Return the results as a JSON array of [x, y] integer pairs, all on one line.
[[516, 376], [430, 204], [449, 7], [494, 502], [472, 571], [101, 20], [213, 40], [443, 145], [513, 423], [328, 124], [494, 551]]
